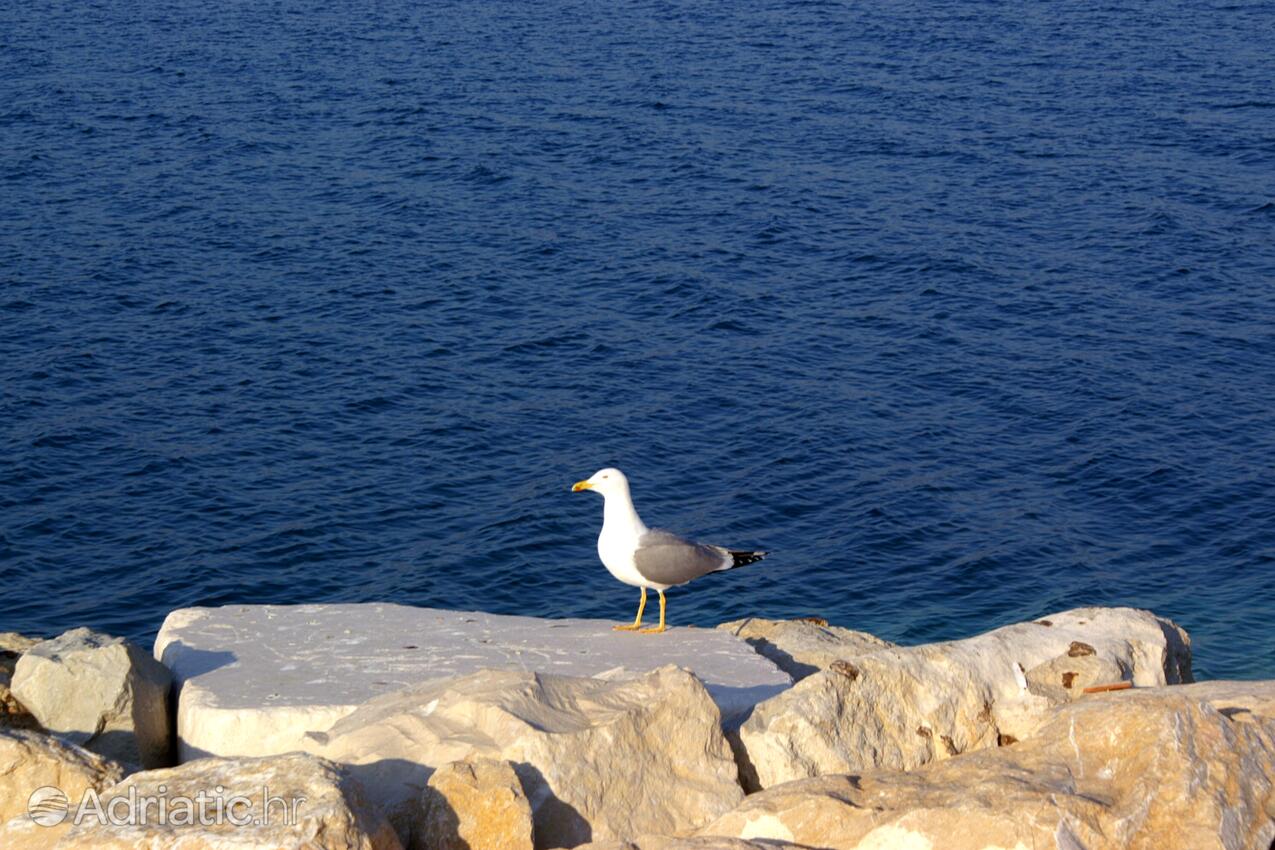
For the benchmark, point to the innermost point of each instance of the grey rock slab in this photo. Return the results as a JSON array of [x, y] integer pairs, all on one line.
[[100, 692], [254, 679]]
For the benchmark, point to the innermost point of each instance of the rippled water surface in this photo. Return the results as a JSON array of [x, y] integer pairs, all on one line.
[[965, 310]]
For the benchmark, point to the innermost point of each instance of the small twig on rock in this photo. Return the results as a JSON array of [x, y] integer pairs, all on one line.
[[1115, 686]]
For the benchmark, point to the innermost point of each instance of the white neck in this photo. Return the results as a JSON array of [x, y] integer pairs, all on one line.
[[619, 515]]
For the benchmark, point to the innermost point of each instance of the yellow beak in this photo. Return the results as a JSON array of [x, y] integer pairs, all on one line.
[[581, 485]]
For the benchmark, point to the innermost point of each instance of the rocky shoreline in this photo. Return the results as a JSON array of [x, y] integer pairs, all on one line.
[[385, 727]]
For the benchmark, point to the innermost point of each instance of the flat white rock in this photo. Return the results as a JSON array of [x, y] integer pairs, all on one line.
[[254, 679]]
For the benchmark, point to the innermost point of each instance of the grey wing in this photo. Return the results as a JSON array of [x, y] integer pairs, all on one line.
[[665, 558]]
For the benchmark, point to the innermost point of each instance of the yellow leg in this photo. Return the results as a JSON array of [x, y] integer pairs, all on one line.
[[638, 621], [660, 627]]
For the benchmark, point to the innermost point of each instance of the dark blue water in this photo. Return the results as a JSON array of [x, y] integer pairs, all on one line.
[[964, 309]]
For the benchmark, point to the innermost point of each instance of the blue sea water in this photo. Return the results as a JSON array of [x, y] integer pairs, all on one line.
[[965, 310]]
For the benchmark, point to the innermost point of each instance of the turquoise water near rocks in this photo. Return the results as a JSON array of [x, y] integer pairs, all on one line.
[[964, 310]]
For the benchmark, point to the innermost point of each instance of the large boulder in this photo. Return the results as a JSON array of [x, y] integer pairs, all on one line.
[[474, 805], [1154, 769], [598, 759], [902, 707], [274, 803], [254, 679], [100, 692], [864, 714], [805, 646], [12, 713]]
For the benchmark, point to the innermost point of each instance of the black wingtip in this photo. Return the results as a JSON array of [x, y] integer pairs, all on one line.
[[743, 559]]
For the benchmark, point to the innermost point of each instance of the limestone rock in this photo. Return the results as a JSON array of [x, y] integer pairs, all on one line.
[[1154, 769], [39, 768], [1019, 716], [902, 707], [1240, 701], [100, 692], [702, 842], [1067, 675], [12, 713], [285, 802], [31, 760], [253, 679], [867, 713], [802, 647], [1050, 684], [22, 833], [13, 644], [474, 805], [597, 759]]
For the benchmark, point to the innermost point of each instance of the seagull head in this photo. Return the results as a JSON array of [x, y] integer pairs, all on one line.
[[606, 482]]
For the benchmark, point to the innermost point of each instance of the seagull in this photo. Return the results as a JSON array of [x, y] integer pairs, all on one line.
[[650, 557]]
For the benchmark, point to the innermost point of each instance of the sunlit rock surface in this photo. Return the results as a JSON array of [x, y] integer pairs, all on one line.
[[1172, 768], [902, 707], [254, 679], [803, 647], [473, 805], [596, 759], [30, 761], [287, 801]]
